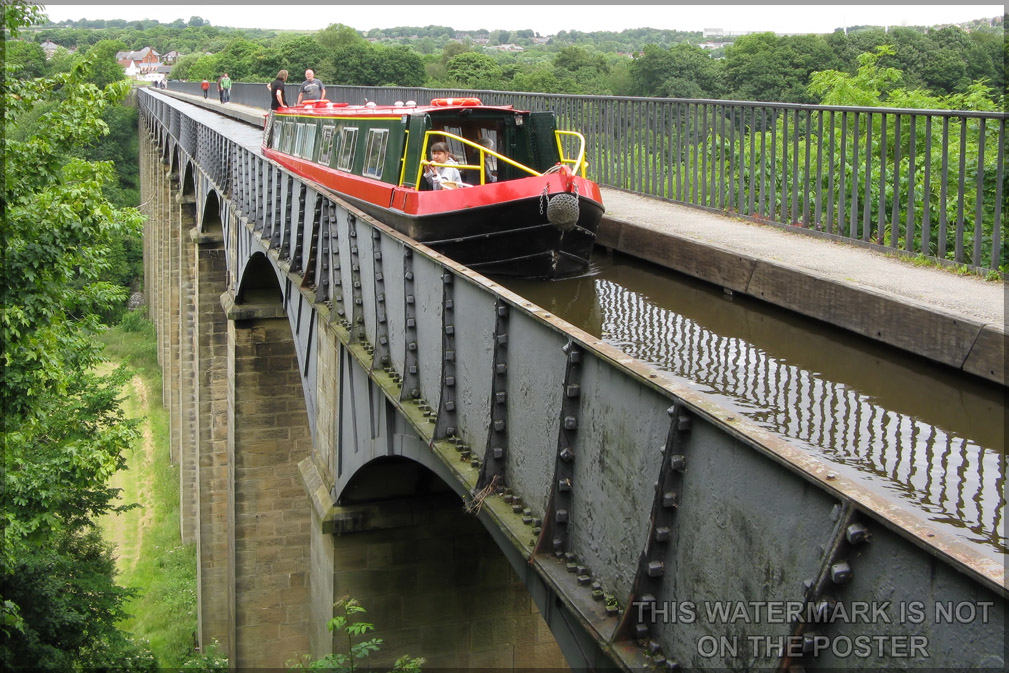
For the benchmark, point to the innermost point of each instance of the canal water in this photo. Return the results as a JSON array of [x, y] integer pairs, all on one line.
[[919, 431]]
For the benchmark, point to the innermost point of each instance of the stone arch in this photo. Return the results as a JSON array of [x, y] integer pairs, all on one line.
[[390, 477], [210, 215], [407, 549], [174, 160], [163, 150], [189, 180], [258, 282]]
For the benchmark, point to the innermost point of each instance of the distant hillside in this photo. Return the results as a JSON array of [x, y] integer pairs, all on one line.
[[191, 36], [943, 60]]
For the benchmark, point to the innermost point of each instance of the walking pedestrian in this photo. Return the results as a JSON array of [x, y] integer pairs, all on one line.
[[205, 85], [225, 88]]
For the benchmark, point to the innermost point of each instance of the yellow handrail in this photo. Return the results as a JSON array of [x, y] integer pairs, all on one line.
[[480, 148], [578, 164]]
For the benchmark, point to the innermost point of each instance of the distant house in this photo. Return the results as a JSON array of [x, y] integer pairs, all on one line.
[[161, 73], [146, 60], [132, 69], [507, 47], [146, 64], [170, 58], [49, 48]]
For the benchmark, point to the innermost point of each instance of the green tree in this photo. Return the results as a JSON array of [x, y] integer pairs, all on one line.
[[242, 59], [437, 68], [296, 54], [352, 64], [185, 67], [876, 85], [24, 60], [398, 66], [867, 87], [767, 67], [453, 49], [64, 432], [682, 71], [195, 67], [104, 68], [471, 70], [582, 71], [540, 79], [62, 61], [338, 36], [986, 58]]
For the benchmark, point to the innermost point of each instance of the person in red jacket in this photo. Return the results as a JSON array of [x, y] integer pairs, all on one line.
[[206, 87]]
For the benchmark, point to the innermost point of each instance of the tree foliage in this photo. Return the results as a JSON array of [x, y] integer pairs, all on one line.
[[64, 432], [642, 61], [682, 71], [24, 60], [877, 85], [470, 70], [767, 67], [358, 642], [104, 68]]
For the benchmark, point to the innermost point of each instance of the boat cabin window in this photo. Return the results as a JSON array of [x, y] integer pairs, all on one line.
[[457, 149], [348, 143], [476, 131], [286, 141], [307, 145], [278, 130], [492, 135], [326, 147], [374, 155]]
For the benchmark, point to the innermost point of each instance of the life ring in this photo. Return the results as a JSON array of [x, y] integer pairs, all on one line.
[[447, 102]]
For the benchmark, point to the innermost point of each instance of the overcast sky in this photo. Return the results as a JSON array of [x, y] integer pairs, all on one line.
[[544, 19]]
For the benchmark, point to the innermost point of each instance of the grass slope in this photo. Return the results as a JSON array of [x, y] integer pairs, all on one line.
[[151, 557]]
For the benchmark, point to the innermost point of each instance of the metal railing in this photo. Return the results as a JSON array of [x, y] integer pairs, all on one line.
[[928, 183]]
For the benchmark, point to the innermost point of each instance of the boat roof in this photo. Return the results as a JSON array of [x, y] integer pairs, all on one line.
[[331, 108]]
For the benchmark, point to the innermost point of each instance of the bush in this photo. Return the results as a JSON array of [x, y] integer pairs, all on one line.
[[135, 322]]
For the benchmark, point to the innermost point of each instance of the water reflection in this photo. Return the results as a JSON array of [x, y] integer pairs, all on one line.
[[919, 430]]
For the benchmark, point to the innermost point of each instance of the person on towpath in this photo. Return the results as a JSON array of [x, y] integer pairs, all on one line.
[[225, 86]]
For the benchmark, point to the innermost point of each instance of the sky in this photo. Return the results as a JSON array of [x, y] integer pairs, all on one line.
[[544, 19]]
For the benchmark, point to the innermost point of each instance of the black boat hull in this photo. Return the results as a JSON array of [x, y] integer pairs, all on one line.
[[504, 239]]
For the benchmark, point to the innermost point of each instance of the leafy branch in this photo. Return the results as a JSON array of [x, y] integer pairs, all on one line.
[[359, 646]]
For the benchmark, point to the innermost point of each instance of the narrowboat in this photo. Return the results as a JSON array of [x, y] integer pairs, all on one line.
[[522, 205]]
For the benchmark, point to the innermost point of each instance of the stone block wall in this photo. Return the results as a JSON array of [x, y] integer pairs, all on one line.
[[436, 585], [185, 386], [213, 493], [268, 436]]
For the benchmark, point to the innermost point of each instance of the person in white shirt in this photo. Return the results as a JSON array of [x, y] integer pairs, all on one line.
[[442, 177]]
